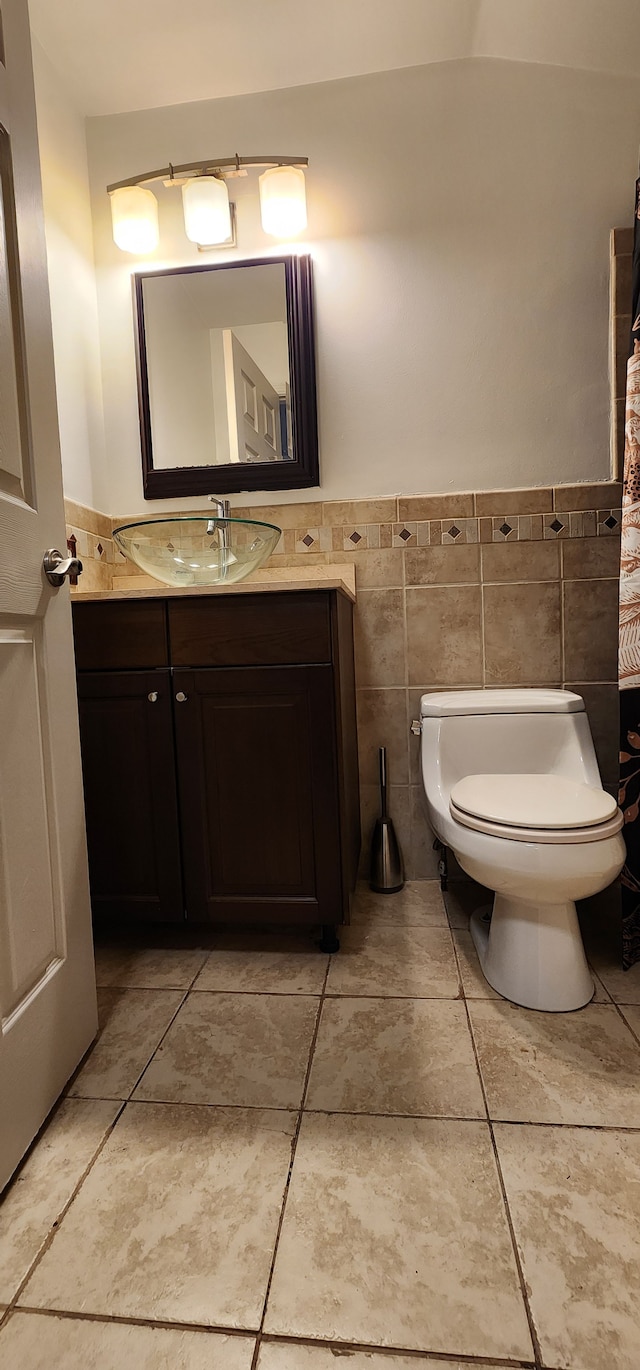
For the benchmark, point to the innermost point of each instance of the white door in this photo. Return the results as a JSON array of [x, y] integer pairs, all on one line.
[[253, 405], [47, 981]]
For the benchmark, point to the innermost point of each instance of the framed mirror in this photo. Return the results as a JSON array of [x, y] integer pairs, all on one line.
[[226, 377]]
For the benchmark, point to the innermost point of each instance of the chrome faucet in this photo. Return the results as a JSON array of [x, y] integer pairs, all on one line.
[[223, 511], [221, 531]]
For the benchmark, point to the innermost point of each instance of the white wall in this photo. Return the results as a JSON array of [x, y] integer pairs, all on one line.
[[459, 218], [72, 285]]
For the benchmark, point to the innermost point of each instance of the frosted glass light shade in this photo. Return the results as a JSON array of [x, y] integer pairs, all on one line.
[[134, 215], [207, 217], [283, 201]]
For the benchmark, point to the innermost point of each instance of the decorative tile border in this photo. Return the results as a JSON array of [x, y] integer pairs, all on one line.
[[574, 523], [566, 512]]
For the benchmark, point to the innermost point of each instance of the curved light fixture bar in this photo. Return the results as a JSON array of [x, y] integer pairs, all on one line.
[[230, 165], [209, 217]]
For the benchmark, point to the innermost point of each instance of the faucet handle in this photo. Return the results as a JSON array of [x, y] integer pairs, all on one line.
[[223, 507]]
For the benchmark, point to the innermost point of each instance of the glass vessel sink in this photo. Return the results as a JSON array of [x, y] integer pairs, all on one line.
[[197, 551]]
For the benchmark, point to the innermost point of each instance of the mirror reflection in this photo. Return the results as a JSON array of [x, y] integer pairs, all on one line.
[[218, 366]]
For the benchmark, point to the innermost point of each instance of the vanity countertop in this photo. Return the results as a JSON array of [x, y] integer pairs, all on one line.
[[269, 579]]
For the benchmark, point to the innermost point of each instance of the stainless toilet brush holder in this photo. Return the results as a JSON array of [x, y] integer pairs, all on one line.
[[387, 870]]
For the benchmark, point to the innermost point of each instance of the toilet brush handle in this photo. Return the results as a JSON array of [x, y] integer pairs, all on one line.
[[382, 754]]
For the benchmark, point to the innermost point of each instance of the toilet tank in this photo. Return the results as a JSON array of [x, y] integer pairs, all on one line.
[[507, 732]]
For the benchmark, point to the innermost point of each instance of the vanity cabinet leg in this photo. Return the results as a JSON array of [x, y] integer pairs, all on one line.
[[328, 940]]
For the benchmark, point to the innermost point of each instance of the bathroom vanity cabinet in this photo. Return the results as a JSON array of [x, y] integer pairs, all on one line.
[[220, 757]]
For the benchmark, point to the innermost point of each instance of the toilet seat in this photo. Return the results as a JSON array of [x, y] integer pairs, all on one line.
[[535, 808]]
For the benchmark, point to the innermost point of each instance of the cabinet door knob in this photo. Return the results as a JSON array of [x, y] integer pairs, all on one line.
[[153, 697], [181, 697]]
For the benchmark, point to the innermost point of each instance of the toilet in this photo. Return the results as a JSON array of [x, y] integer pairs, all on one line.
[[512, 787]]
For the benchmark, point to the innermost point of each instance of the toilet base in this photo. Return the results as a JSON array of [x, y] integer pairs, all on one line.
[[532, 954]]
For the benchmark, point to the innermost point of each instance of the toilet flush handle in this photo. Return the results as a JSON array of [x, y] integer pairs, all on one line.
[[416, 727]]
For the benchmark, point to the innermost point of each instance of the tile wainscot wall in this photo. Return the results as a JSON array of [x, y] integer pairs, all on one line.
[[513, 587]]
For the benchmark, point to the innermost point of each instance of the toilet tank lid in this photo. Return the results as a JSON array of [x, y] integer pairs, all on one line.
[[451, 703]]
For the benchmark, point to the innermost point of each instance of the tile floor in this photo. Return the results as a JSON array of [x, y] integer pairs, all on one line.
[[272, 1159]]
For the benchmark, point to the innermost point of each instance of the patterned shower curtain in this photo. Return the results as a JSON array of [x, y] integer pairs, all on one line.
[[629, 645]]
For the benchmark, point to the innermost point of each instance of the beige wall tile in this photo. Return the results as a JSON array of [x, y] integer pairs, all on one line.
[[436, 506], [376, 568], [307, 559], [444, 635], [96, 575], [603, 709], [514, 501], [356, 511], [509, 562], [591, 558], [603, 495], [382, 722], [591, 629], [423, 860], [82, 517], [308, 515], [379, 638], [522, 634], [444, 565], [413, 712]]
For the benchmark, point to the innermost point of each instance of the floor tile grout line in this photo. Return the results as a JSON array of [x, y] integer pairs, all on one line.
[[278, 1339], [349, 1348], [131, 1320], [470, 1031], [505, 1201], [88, 1054], [156, 1049], [620, 1007], [55, 1227], [352, 1113], [294, 1148]]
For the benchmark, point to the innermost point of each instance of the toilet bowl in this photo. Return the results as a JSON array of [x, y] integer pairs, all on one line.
[[512, 787]]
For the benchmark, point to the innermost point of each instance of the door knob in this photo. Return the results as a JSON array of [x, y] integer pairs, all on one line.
[[56, 567], [153, 697], [181, 697]]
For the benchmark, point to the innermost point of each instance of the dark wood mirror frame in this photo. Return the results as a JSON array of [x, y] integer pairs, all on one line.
[[303, 471]]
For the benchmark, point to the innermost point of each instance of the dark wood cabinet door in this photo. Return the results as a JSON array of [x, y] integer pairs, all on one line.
[[258, 794], [126, 731]]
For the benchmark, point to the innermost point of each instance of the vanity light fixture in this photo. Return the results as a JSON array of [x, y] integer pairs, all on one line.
[[206, 208], [283, 202], [134, 214], [208, 214]]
